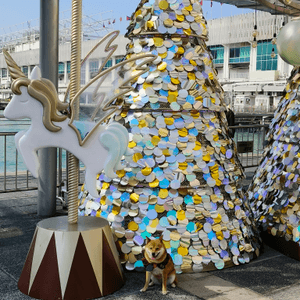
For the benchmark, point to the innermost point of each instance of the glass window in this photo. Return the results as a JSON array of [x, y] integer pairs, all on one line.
[[108, 64], [264, 50], [270, 47], [68, 66], [264, 61], [4, 73], [82, 74], [25, 70], [31, 68], [239, 54], [258, 65], [119, 59], [217, 53], [61, 68], [94, 68]]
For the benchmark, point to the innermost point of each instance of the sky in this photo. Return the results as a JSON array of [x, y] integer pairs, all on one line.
[[15, 12]]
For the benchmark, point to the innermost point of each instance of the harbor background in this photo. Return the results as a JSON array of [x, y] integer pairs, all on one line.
[[242, 134]]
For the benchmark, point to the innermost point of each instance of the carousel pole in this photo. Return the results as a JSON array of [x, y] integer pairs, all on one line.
[[73, 161], [70, 258], [46, 205]]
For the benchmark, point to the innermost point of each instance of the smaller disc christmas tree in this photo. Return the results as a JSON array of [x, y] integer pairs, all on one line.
[[274, 191]]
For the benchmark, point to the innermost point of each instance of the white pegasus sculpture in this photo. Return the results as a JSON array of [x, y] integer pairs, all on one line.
[[37, 99]]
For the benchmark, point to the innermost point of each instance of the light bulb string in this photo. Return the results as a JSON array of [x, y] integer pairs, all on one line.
[[275, 21], [255, 26], [255, 14]]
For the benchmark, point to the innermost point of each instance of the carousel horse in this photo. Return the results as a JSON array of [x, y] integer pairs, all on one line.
[[37, 99]]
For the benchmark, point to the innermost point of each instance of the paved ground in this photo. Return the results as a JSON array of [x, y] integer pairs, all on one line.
[[271, 276]]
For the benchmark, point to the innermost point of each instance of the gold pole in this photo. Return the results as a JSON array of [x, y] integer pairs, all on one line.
[[74, 88]]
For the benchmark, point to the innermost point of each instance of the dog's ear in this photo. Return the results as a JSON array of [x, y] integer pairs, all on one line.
[[147, 240], [161, 238]]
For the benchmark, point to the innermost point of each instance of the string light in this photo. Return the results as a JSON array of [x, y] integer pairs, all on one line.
[[273, 54], [254, 43], [255, 32], [274, 39]]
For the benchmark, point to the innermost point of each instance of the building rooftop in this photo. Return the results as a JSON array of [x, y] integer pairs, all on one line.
[[93, 27], [280, 7]]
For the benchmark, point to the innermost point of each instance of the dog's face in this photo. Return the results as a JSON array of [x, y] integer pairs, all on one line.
[[155, 249]]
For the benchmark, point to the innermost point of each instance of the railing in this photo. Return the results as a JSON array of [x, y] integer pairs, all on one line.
[[15, 177], [249, 140], [254, 109]]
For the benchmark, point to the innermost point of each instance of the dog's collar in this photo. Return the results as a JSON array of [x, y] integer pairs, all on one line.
[[161, 265]]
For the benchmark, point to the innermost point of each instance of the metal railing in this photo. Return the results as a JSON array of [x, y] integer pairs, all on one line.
[[250, 141], [14, 175]]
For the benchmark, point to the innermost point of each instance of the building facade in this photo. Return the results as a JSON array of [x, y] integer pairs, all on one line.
[[246, 72], [253, 77], [27, 57]]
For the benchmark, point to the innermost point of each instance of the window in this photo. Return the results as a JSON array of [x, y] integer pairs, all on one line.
[[119, 59], [4, 73], [68, 67], [94, 68], [217, 53], [108, 64], [239, 55], [25, 70], [31, 68], [264, 61], [61, 68], [82, 74]]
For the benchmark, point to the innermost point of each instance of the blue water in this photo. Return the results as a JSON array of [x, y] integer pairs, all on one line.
[[11, 126], [14, 126]]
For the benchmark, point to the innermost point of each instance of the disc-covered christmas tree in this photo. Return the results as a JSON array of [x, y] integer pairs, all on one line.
[[182, 178], [274, 191]]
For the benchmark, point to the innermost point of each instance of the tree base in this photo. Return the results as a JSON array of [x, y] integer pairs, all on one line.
[[78, 261], [288, 248]]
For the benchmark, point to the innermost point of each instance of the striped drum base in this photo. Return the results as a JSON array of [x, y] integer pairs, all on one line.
[[73, 262]]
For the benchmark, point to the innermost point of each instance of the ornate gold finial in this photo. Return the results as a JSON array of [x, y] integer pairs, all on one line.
[[14, 70]]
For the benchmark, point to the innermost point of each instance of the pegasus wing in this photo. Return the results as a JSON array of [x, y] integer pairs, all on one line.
[[101, 104]]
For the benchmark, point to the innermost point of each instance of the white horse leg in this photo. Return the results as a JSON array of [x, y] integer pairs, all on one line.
[[110, 141], [18, 136], [29, 155], [91, 183], [123, 143], [123, 137]]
